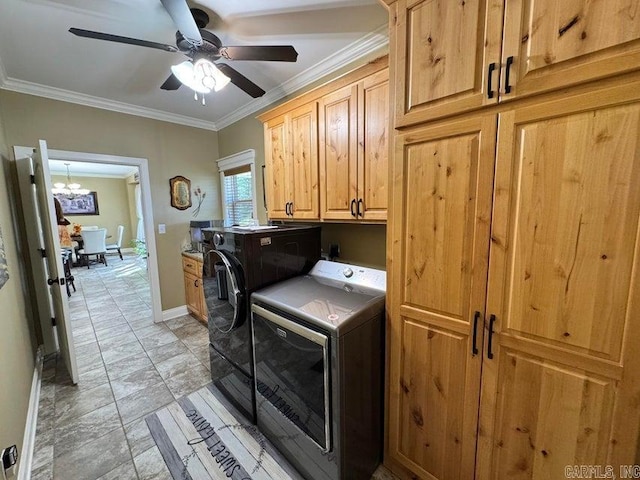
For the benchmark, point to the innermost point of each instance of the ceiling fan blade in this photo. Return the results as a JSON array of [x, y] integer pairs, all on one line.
[[240, 81], [279, 53], [118, 39], [171, 83], [181, 15]]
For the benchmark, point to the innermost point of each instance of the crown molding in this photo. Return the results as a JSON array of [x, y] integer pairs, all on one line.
[[376, 40], [30, 88], [371, 42]]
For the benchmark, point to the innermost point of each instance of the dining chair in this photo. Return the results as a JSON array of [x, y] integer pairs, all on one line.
[[94, 243], [116, 246]]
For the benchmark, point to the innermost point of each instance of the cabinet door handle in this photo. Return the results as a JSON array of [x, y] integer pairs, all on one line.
[[189, 265], [291, 208], [476, 317], [196, 283], [492, 320], [507, 86], [492, 67], [360, 213], [286, 208], [353, 204]]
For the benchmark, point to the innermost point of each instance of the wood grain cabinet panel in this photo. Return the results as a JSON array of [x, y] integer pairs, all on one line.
[[455, 56], [194, 292], [277, 167], [354, 150], [563, 290], [555, 44], [448, 56], [441, 219], [291, 146], [545, 255]]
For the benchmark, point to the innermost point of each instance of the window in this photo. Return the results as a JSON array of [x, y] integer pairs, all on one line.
[[237, 178]]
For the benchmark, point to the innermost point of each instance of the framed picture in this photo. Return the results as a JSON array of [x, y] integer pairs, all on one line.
[[180, 192], [79, 204]]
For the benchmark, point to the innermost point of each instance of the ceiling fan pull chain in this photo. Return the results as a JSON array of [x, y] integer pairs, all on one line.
[[195, 96], [203, 103]]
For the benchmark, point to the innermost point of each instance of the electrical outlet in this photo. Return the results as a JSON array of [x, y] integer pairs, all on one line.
[[162, 228]]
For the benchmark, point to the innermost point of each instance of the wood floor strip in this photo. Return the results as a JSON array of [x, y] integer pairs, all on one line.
[[167, 450]]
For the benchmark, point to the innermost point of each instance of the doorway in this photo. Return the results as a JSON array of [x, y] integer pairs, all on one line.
[[145, 199]]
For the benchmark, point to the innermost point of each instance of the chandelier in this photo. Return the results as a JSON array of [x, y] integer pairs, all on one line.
[[70, 189]]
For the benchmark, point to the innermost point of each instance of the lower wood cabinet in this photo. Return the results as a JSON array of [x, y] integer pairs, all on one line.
[[194, 293], [514, 301]]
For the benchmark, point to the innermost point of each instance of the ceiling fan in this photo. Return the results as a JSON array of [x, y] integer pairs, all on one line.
[[203, 49]]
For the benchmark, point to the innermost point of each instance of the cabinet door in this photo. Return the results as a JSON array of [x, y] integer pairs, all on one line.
[[558, 43], [443, 50], [440, 231], [338, 154], [192, 293], [561, 388], [373, 146], [304, 161], [277, 167]]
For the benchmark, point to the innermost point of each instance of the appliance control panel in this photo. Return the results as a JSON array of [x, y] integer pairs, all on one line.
[[351, 274]]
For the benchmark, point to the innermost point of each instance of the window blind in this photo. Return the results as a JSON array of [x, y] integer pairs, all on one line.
[[238, 195]]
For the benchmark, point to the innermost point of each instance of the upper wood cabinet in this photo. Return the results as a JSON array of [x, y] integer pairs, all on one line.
[[354, 136], [291, 145], [326, 152], [550, 44], [447, 56], [448, 52]]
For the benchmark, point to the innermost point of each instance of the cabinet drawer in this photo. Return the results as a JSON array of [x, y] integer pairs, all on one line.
[[192, 266]]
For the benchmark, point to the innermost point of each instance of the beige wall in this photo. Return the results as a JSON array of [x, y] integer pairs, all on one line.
[[171, 150], [360, 244], [113, 205], [17, 343]]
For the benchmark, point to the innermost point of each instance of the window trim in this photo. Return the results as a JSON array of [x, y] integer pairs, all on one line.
[[240, 159]]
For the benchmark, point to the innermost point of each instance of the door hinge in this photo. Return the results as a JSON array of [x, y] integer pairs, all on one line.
[[43, 252], [33, 179], [53, 321]]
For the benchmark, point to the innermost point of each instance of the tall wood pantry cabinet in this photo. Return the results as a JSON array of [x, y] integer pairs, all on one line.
[[513, 274]]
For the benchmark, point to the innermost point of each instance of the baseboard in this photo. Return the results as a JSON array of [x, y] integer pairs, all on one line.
[[174, 313], [29, 440]]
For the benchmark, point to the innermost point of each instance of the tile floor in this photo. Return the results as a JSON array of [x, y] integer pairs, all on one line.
[[129, 367]]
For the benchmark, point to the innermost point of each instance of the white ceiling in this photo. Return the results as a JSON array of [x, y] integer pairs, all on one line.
[[41, 57], [86, 169]]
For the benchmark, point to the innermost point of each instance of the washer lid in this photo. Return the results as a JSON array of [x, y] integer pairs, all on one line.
[[332, 305]]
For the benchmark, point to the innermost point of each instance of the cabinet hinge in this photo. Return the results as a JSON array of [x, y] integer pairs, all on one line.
[[33, 179], [43, 252], [53, 321]]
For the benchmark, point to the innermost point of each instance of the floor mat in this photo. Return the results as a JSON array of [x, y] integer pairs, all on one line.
[[200, 438]]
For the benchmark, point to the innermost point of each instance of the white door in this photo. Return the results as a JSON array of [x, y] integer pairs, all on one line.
[[42, 210]]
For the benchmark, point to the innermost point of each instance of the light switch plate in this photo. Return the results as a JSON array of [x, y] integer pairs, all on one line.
[[162, 228]]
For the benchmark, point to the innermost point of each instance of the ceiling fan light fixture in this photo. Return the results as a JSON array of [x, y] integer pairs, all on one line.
[[185, 73], [202, 76]]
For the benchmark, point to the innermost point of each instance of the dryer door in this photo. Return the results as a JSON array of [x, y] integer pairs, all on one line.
[[224, 291]]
